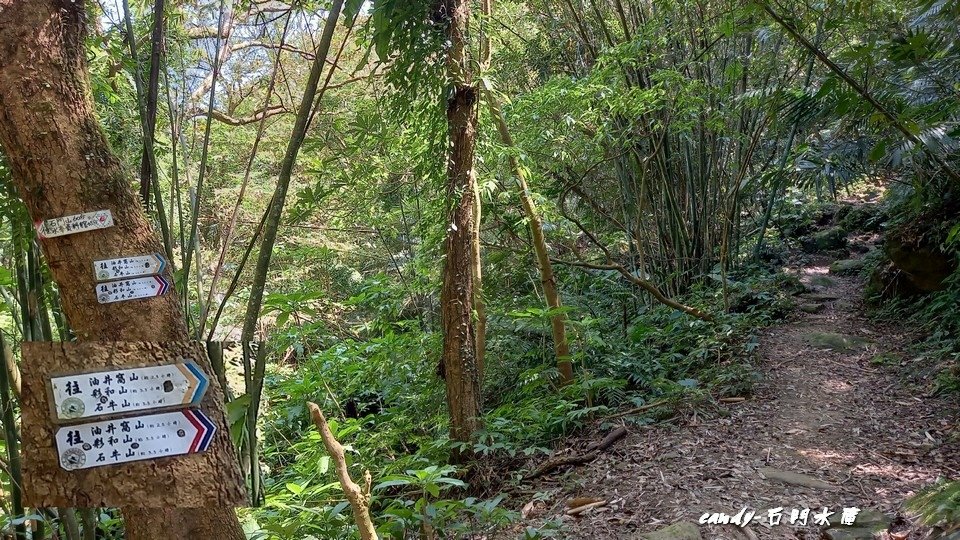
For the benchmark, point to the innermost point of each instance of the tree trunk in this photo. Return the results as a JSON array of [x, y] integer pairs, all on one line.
[[63, 165], [460, 368]]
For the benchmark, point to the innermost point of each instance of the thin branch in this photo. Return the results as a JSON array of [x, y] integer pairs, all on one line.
[[307, 55], [630, 276], [225, 17], [257, 116], [221, 54], [359, 498], [260, 116]]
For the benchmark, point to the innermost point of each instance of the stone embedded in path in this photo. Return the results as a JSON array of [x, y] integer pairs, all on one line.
[[848, 533], [836, 342], [847, 267], [820, 297], [827, 239], [868, 523], [795, 479], [811, 308], [682, 530], [822, 281], [888, 358]]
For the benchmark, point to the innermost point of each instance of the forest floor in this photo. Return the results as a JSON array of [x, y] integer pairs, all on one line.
[[842, 417]]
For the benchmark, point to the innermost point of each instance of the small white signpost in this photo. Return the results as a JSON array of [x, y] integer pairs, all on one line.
[[127, 267], [133, 439], [62, 226], [101, 393], [131, 289]]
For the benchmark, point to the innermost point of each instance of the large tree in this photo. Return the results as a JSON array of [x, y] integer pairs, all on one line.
[[460, 360], [63, 165]]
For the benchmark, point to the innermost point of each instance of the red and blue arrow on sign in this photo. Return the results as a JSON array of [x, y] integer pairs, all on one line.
[[132, 289], [164, 285], [205, 430]]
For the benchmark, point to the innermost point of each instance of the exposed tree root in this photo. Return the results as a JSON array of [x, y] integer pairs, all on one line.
[[591, 454]]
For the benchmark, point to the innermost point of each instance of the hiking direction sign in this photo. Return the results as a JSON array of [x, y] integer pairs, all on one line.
[[62, 226], [132, 289], [103, 393], [128, 267], [125, 424], [132, 439]]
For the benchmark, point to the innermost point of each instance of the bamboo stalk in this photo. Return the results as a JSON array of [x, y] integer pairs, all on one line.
[[68, 516], [147, 122], [548, 280], [88, 517], [254, 377], [10, 433], [777, 181], [637, 280], [254, 390]]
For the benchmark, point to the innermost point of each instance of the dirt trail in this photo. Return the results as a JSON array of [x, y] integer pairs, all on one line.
[[826, 408]]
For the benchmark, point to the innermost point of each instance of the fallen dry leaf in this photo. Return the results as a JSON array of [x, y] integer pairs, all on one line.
[[527, 510]]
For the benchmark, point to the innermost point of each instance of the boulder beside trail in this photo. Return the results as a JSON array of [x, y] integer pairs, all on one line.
[[913, 267], [925, 265], [824, 240], [887, 281]]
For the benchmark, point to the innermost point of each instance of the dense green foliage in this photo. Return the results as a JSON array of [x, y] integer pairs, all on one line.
[[658, 138]]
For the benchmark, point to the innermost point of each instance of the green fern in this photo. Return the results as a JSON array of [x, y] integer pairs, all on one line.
[[938, 505]]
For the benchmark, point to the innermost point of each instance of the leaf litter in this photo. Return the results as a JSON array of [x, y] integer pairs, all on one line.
[[825, 428]]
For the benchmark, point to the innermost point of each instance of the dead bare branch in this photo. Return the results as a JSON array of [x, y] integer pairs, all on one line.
[[359, 498]]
